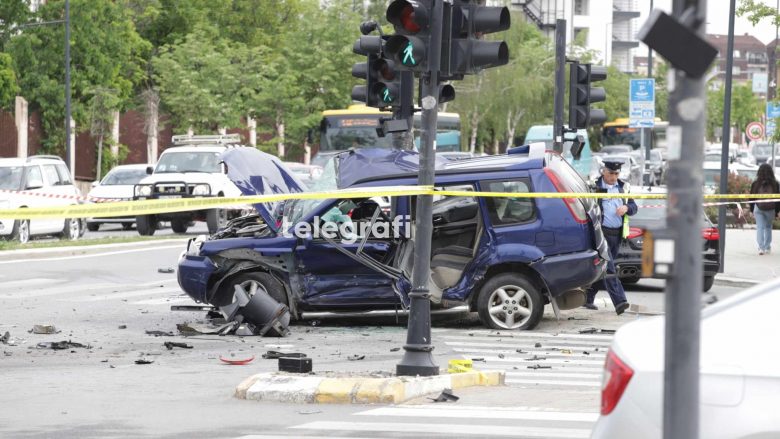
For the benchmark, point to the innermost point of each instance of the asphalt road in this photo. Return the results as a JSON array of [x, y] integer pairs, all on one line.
[[107, 301]]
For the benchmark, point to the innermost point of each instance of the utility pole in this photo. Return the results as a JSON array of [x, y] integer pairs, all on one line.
[[648, 140], [560, 84], [726, 137], [687, 109], [68, 160]]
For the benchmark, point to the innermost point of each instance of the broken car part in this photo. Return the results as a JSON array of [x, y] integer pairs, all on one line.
[[259, 308], [172, 344], [446, 395], [295, 365], [240, 362], [272, 355]]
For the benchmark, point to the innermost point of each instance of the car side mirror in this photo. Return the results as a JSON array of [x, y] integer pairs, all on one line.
[[577, 146], [34, 184], [149, 170], [94, 183]]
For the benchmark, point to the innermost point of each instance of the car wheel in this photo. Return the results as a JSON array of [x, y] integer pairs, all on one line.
[[179, 226], [71, 229], [629, 280], [146, 225], [510, 301], [708, 282], [93, 227], [82, 227], [21, 231], [127, 226], [216, 219], [252, 282]]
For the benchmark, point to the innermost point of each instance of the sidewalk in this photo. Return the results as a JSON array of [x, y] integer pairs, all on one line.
[[742, 264]]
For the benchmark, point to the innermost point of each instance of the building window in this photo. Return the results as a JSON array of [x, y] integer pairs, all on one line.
[[581, 7]]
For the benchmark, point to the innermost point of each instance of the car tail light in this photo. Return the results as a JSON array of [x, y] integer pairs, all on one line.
[[616, 377], [710, 234], [575, 207], [635, 232]]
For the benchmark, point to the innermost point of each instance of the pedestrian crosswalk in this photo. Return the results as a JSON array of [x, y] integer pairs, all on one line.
[[532, 359], [446, 421], [160, 292]]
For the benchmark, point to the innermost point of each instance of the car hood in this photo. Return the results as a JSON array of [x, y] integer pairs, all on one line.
[[374, 163], [257, 173]]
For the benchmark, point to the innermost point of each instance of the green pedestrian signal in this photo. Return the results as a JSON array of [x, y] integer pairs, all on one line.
[[409, 55], [411, 21], [386, 96]]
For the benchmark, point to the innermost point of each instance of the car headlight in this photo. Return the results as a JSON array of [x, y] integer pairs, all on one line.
[[143, 190], [201, 189]]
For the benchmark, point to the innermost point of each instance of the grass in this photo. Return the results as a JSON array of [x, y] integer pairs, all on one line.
[[11, 245]]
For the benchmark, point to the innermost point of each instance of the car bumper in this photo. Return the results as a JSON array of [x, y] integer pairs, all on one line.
[[193, 275], [630, 266], [6, 226], [129, 219], [571, 271]]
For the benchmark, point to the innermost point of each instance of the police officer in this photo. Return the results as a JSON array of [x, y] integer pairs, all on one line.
[[612, 212]]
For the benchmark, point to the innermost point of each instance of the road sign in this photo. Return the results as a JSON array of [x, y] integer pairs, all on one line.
[[771, 126], [754, 130], [772, 110], [641, 103], [759, 82]]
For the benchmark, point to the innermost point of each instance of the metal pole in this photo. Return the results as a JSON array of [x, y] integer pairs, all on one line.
[[418, 358], [687, 109], [726, 137], [560, 83], [649, 138], [67, 88]]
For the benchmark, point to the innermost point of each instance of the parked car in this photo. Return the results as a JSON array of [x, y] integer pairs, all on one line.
[[652, 216], [656, 168], [503, 257], [43, 175], [616, 149], [762, 152], [739, 380], [117, 185], [631, 171], [189, 169]]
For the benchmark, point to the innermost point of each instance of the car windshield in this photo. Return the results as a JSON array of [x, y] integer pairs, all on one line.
[[296, 210], [124, 177], [11, 177], [194, 161]]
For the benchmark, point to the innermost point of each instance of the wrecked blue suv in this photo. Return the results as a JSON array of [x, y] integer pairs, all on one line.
[[505, 258]]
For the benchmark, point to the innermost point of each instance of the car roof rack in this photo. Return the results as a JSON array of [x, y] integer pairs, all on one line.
[[224, 139], [43, 156]]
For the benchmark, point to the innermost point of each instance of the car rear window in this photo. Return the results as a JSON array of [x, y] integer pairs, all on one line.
[[655, 210], [508, 210], [569, 177]]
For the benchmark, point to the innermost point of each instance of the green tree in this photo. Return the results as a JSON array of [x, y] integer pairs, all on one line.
[[12, 14], [106, 52], [757, 11], [9, 86], [102, 103]]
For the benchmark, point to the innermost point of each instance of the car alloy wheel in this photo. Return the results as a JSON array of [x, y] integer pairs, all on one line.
[[510, 301], [510, 306], [23, 231], [73, 229]]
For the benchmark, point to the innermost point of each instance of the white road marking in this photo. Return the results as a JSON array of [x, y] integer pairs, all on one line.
[[557, 374], [94, 255], [165, 300], [529, 361], [136, 293], [575, 353], [525, 342], [525, 334], [85, 289], [459, 430], [22, 283], [555, 382], [483, 413]]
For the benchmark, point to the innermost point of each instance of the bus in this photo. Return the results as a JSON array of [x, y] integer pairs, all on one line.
[[356, 125], [618, 132]]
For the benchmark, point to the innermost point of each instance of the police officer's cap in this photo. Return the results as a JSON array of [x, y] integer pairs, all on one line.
[[612, 166]]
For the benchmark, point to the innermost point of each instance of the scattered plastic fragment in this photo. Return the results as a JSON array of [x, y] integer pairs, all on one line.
[[122, 326], [160, 333], [44, 329], [535, 358], [172, 344], [309, 412], [142, 361], [272, 355], [395, 349], [165, 270], [446, 395], [61, 345], [538, 345], [240, 362], [539, 366], [356, 357]]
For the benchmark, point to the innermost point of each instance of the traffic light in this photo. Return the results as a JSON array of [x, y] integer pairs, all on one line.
[[387, 88], [463, 50], [582, 95], [411, 20], [371, 47]]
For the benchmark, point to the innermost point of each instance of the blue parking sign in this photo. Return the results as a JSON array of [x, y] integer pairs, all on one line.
[[642, 90], [772, 110], [641, 103]]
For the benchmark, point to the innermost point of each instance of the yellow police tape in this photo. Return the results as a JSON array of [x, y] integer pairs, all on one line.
[[170, 205]]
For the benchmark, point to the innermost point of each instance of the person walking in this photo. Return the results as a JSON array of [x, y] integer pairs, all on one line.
[[764, 212], [613, 211]]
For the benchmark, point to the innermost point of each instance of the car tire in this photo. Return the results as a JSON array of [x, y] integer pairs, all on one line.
[[216, 219], [629, 280], [708, 282], [71, 229], [21, 231], [127, 226], [264, 281], [179, 226], [512, 291], [146, 225], [93, 227]]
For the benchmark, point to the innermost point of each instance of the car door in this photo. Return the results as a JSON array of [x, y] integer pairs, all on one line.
[[331, 261], [35, 183], [55, 185]]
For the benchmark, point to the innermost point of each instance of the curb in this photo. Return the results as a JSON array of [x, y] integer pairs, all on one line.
[[292, 388], [7, 255], [734, 281]]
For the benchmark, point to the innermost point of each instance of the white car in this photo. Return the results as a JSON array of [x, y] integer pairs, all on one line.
[[117, 185], [739, 380], [46, 182], [189, 169]]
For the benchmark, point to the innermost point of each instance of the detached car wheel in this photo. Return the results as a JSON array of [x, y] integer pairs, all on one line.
[[146, 225], [510, 301], [252, 283], [708, 282]]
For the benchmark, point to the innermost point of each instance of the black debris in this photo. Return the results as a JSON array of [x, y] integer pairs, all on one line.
[[539, 366], [520, 351], [112, 366], [143, 361], [535, 358], [586, 352], [471, 334], [309, 412], [314, 323], [44, 329], [104, 361], [4, 339], [61, 345], [272, 355], [172, 344], [478, 359], [500, 355], [122, 326], [596, 331], [165, 270], [578, 318], [538, 345], [356, 357], [160, 333], [446, 395], [395, 349]]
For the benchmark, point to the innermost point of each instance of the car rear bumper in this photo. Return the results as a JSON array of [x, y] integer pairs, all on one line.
[[570, 271], [630, 266]]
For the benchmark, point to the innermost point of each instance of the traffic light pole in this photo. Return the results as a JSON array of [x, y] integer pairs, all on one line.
[[726, 139], [405, 111], [687, 109], [560, 84], [418, 358]]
